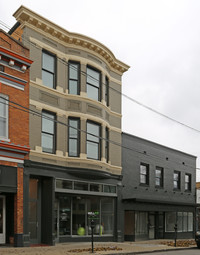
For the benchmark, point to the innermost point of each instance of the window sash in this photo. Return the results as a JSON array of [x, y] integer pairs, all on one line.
[[93, 84], [144, 174], [159, 177], [187, 182], [74, 78], [48, 132], [176, 180], [107, 145], [93, 140], [3, 116], [74, 137], [48, 69]]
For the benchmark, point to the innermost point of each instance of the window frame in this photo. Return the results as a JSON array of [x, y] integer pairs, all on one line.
[[78, 136], [161, 169], [177, 181], [47, 71], [54, 132], [92, 85], [6, 97], [107, 91], [146, 175], [99, 137], [107, 135], [78, 76], [189, 183]]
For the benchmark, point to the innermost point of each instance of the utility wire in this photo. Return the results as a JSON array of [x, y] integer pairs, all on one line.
[[26, 39], [29, 111]]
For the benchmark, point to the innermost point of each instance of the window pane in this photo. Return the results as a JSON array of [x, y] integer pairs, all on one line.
[[158, 173], [93, 205], [185, 223], [48, 124], [143, 169], [73, 147], [107, 215], [73, 71], [47, 79], [170, 220], [63, 184], [190, 221], [73, 87], [180, 221], [142, 178], [73, 126], [93, 77], [2, 127], [79, 211], [175, 185], [48, 62], [47, 143], [92, 92], [94, 130], [92, 150], [96, 187], [3, 104], [65, 215], [158, 183], [80, 186]]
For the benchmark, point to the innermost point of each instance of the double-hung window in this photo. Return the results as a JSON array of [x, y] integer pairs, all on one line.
[[159, 177], [107, 145], [177, 180], [144, 174], [93, 140], [107, 91], [3, 116], [48, 132], [74, 78], [74, 137], [48, 69], [93, 84], [187, 182]]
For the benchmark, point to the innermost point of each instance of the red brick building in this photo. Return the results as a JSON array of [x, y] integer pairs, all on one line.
[[14, 135]]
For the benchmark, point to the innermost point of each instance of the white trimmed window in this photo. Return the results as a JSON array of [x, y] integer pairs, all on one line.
[[3, 116]]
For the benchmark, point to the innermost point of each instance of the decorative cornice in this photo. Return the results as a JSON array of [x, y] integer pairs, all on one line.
[[29, 18]]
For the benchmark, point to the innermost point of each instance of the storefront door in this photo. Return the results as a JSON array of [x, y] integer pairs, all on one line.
[[2, 220], [34, 211], [151, 225]]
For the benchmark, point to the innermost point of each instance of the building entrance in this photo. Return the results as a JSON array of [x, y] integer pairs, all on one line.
[[2, 220]]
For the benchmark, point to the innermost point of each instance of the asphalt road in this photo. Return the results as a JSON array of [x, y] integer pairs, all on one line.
[[193, 251]]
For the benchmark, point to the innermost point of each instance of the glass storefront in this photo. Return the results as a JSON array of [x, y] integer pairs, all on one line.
[[72, 218]]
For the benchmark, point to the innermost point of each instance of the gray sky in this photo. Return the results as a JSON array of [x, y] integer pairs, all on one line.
[[160, 40]]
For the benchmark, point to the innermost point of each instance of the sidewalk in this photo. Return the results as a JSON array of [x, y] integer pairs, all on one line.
[[99, 248]]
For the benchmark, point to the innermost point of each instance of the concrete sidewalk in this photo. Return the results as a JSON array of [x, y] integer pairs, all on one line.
[[99, 248]]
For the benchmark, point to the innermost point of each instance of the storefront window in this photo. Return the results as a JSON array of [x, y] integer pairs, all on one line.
[[93, 205], [79, 216], [107, 216], [141, 223], [184, 221], [73, 217], [64, 215], [170, 221]]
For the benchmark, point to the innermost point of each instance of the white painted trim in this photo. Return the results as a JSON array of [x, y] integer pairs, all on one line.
[[12, 160]]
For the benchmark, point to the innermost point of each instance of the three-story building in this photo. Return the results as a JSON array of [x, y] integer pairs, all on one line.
[[75, 133]]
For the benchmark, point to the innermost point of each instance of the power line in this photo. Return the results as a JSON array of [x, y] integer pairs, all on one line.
[[29, 111], [122, 94]]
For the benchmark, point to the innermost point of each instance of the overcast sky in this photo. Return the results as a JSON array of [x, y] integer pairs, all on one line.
[[159, 40]]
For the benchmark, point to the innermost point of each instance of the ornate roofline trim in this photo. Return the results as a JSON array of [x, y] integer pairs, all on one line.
[[25, 15]]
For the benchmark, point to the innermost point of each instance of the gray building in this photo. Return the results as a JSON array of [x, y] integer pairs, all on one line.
[[75, 111], [158, 191]]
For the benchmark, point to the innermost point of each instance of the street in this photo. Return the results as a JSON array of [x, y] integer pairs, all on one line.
[[193, 251]]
